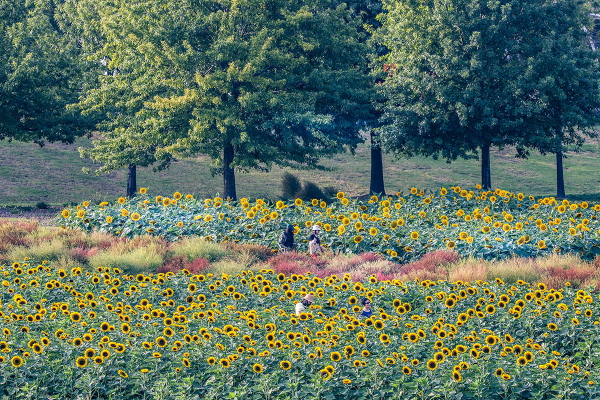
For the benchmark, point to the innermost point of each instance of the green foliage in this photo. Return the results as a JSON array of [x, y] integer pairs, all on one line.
[[123, 83], [565, 71], [41, 205], [45, 250], [478, 223], [40, 73], [465, 74]]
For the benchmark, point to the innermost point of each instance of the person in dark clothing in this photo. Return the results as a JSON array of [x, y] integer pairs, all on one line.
[[286, 240], [366, 311]]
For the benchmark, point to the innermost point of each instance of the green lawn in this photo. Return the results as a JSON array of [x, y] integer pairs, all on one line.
[[52, 174]]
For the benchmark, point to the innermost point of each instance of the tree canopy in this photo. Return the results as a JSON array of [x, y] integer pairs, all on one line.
[[465, 75], [250, 83], [39, 73]]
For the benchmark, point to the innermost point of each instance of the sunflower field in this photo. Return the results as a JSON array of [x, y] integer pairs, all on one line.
[[105, 334], [483, 224]]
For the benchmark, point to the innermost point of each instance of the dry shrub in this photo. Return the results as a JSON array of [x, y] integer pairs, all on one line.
[[370, 257], [422, 275], [82, 254], [137, 242], [380, 266], [553, 270], [15, 233], [513, 269], [344, 263], [384, 277], [468, 270], [174, 264], [66, 263], [245, 259], [72, 238], [27, 225], [259, 252], [198, 265], [358, 276], [289, 263], [231, 267]]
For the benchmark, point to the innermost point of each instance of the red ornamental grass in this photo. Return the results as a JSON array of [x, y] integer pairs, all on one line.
[[290, 263], [198, 265], [557, 277], [431, 262], [383, 277], [82, 254], [175, 264]]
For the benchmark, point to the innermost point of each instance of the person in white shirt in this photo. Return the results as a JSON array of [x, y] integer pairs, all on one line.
[[314, 242], [306, 302]]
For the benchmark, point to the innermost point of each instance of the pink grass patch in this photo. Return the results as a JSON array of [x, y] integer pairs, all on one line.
[[198, 265], [431, 262], [370, 257]]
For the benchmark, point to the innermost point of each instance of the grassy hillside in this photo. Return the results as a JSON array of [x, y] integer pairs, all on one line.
[[29, 174]]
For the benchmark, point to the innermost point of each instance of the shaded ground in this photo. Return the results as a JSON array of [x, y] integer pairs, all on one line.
[[52, 174]]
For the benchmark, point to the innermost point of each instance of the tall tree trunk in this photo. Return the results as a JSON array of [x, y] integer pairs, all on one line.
[[377, 185], [228, 173], [560, 181], [486, 177], [131, 181]]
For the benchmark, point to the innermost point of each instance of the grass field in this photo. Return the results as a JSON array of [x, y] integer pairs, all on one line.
[[52, 174]]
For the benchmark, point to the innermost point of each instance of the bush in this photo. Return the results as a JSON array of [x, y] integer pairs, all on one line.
[[41, 205], [290, 186], [311, 191], [330, 192]]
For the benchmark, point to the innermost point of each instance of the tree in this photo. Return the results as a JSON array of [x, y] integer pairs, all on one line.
[[38, 73], [122, 84], [368, 10], [460, 75], [376, 182], [250, 83], [566, 70]]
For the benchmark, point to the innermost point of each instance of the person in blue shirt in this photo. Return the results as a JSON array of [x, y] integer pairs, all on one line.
[[366, 311]]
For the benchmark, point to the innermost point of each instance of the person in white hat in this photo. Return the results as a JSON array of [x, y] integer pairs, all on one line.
[[306, 302], [314, 243]]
